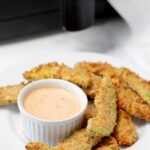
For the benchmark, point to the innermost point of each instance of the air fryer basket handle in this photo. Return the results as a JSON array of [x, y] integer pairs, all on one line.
[[77, 14]]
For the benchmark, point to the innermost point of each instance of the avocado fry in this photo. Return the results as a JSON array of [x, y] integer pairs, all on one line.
[[99, 68], [107, 143], [130, 101], [9, 94], [125, 132], [40, 146], [79, 140], [105, 102], [91, 112], [94, 88], [56, 71], [140, 85]]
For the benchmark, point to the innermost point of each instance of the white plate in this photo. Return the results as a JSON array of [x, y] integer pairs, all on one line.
[[14, 63]]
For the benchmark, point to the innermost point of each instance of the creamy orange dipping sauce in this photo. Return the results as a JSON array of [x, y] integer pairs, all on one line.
[[52, 103]]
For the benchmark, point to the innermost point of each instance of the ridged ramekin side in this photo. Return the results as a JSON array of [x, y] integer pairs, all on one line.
[[48, 133]]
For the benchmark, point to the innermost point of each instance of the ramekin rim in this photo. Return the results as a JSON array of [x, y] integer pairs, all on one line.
[[80, 113]]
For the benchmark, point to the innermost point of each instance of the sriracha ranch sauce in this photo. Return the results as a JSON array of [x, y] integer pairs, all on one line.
[[52, 103]]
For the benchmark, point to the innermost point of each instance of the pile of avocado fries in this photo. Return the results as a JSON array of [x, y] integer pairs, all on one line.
[[115, 94]]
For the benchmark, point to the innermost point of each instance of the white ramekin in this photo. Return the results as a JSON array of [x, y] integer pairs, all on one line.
[[50, 132]]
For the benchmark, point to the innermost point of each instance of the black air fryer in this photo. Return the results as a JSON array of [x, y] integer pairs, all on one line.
[[20, 18]]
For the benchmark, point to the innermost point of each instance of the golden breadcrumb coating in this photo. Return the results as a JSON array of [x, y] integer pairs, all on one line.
[[80, 77], [79, 140], [125, 132], [50, 70], [104, 83], [105, 101], [126, 97], [140, 85], [91, 112], [130, 101], [9, 94], [99, 68], [108, 143], [92, 90], [54, 70], [39, 146]]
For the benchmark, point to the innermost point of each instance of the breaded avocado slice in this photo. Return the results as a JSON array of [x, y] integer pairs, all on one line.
[[141, 86], [105, 101], [125, 132], [55, 71], [79, 140], [9, 94]]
